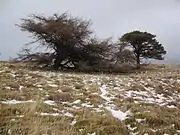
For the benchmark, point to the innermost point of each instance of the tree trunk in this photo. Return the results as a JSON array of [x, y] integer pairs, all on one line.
[[61, 54], [138, 62], [57, 63]]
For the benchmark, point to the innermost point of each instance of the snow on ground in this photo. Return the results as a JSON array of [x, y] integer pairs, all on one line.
[[77, 101], [156, 88], [118, 114], [56, 114], [12, 102], [49, 102], [50, 114], [110, 107], [73, 122], [152, 97]]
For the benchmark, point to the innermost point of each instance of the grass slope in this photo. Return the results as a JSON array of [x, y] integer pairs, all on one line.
[[56, 103]]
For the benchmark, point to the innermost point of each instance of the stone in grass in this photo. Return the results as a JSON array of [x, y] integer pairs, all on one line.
[[63, 96]]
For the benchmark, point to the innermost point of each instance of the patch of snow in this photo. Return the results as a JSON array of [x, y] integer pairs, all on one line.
[[12, 119], [53, 85], [104, 93], [59, 91], [76, 107], [87, 105], [100, 106], [163, 83], [65, 103], [81, 130], [140, 120], [136, 102], [51, 114], [95, 93], [110, 107], [80, 94], [73, 122], [49, 102], [15, 102], [40, 89], [139, 98], [128, 84], [131, 128], [116, 88], [55, 109], [9, 131], [2, 71], [99, 83], [7, 87], [39, 86], [20, 87], [77, 102], [69, 108], [68, 114], [20, 116], [149, 100], [118, 114], [171, 106], [178, 81], [134, 93]]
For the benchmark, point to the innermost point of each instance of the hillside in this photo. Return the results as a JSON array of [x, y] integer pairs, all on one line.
[[55, 103]]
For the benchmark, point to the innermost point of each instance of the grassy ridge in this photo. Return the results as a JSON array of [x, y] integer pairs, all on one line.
[[42, 102]]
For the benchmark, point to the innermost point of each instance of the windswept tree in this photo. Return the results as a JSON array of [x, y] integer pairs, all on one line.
[[124, 55], [40, 58], [144, 45], [63, 34]]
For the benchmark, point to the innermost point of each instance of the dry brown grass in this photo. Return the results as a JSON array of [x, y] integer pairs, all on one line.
[[63, 96], [22, 84], [98, 123], [22, 119]]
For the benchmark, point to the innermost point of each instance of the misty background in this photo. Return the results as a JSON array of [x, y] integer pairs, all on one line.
[[110, 18]]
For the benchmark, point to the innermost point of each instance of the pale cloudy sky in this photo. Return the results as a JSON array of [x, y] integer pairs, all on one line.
[[109, 17]]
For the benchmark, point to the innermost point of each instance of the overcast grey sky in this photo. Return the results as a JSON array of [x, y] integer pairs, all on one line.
[[109, 17]]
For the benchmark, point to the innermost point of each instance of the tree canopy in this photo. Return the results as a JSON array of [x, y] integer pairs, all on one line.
[[144, 45], [71, 45], [68, 37]]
